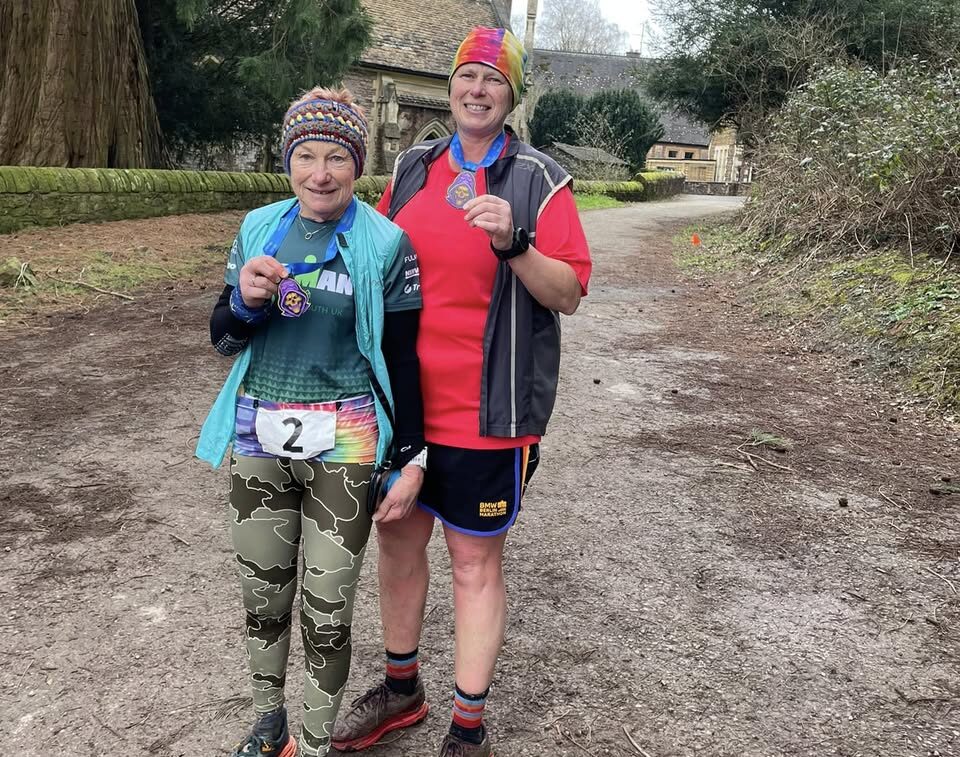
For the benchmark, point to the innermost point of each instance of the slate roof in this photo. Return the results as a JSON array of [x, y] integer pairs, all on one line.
[[678, 129], [421, 37], [588, 154], [587, 73]]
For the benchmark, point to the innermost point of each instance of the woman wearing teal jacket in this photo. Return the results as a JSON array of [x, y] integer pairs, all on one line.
[[321, 307]]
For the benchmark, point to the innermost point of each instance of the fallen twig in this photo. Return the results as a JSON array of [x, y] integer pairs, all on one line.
[[892, 502], [634, 743], [115, 733], [942, 578], [750, 456], [182, 541], [572, 740], [79, 283], [920, 700], [20, 680], [557, 719]]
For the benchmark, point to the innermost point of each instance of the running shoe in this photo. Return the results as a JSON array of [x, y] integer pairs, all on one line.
[[270, 737], [376, 713]]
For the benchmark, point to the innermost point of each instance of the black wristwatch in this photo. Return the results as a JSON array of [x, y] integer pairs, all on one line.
[[521, 243]]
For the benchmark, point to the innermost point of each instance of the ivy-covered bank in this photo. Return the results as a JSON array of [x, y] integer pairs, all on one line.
[[59, 196], [896, 315]]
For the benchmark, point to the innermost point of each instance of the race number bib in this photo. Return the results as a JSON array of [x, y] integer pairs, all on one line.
[[297, 434]]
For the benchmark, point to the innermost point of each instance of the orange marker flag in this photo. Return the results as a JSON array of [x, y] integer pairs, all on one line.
[[695, 240]]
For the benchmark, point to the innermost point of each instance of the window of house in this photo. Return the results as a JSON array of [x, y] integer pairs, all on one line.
[[688, 156], [672, 154]]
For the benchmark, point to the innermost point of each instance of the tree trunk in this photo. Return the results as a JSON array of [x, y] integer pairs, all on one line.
[[73, 86]]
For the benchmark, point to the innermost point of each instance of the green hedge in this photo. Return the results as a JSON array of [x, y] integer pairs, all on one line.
[[58, 196], [628, 191], [661, 183]]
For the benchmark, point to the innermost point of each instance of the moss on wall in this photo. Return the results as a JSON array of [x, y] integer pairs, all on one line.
[[56, 196], [628, 191], [660, 183]]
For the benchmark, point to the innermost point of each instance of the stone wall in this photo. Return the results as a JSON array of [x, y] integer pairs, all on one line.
[[57, 196], [659, 184], [720, 188]]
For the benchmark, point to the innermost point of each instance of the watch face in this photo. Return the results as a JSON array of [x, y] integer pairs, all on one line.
[[521, 239]]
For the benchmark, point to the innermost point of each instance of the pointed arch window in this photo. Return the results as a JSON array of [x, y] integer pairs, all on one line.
[[436, 129]]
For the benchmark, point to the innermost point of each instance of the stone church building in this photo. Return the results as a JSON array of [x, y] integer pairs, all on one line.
[[401, 78]]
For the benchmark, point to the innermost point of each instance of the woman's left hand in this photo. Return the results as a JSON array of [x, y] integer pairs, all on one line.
[[402, 497], [494, 216]]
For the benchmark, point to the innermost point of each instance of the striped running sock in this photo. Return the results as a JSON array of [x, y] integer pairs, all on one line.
[[403, 670], [468, 715]]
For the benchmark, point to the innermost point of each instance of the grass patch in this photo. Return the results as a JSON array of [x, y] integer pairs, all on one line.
[[121, 272], [903, 313], [710, 249], [769, 440], [596, 202]]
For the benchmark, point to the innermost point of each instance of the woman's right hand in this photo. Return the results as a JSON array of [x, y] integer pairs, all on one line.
[[259, 279]]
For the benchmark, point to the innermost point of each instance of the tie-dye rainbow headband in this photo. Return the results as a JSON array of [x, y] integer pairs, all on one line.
[[497, 48]]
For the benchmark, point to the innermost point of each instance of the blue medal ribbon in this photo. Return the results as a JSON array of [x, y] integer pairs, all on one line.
[[456, 149], [272, 247]]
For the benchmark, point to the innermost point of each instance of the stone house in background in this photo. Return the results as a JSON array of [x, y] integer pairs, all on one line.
[[401, 79], [587, 162], [686, 146]]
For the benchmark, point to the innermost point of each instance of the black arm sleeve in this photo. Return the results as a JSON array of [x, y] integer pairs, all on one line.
[[400, 352], [227, 332]]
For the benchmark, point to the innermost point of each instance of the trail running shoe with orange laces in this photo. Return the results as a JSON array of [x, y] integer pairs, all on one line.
[[376, 713], [270, 737]]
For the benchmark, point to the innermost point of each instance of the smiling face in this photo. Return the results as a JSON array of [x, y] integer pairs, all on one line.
[[480, 100], [322, 176]]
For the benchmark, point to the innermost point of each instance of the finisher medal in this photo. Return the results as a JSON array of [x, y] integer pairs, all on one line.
[[464, 187], [462, 190], [292, 299]]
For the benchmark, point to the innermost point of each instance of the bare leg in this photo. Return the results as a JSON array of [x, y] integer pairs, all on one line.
[[404, 578], [480, 606]]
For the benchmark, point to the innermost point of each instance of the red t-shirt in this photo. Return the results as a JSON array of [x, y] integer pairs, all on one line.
[[457, 273]]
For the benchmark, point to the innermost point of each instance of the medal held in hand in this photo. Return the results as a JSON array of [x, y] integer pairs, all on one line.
[[292, 299], [464, 187]]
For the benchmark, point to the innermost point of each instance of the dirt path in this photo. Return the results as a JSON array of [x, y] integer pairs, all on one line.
[[708, 601]]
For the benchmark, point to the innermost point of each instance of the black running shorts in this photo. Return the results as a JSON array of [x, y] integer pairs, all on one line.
[[477, 491]]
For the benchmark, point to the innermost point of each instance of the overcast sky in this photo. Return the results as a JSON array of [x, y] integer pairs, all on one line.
[[629, 15]]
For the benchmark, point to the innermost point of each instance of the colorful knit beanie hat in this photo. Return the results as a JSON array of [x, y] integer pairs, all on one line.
[[497, 48], [325, 121]]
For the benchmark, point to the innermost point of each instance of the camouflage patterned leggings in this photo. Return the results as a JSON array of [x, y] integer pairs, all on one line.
[[274, 504]]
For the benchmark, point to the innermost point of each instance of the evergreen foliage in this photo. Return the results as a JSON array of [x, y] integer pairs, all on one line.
[[735, 61], [628, 118], [223, 70], [555, 117]]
